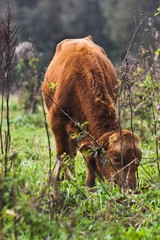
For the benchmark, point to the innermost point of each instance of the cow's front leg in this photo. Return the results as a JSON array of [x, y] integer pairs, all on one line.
[[91, 172]]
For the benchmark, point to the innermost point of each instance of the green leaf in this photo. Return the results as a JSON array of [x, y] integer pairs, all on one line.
[[52, 86], [148, 81], [158, 12], [157, 52]]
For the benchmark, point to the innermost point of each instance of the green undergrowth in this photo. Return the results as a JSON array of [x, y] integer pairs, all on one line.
[[28, 210]]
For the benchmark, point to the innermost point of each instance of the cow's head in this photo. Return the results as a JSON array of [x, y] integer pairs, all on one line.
[[119, 157], [122, 158]]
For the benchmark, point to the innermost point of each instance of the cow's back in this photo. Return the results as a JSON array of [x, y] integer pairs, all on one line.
[[84, 78], [76, 58]]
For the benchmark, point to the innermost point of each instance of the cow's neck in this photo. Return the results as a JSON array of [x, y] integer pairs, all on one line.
[[101, 118], [97, 105], [102, 125]]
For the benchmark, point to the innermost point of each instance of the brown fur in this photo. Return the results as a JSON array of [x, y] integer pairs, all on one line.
[[85, 90]]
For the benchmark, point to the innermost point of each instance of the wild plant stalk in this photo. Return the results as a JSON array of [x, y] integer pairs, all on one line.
[[7, 48], [127, 70], [156, 139], [50, 201], [155, 77], [1, 120], [2, 49], [48, 139], [44, 114], [148, 69], [10, 32], [151, 69], [155, 126], [119, 105], [50, 197]]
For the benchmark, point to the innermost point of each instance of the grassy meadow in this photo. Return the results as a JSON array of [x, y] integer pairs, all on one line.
[[29, 211]]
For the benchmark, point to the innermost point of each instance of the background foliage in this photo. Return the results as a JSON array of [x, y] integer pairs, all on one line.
[[110, 22]]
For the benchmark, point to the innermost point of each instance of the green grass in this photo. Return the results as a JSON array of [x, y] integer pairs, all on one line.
[[28, 210]]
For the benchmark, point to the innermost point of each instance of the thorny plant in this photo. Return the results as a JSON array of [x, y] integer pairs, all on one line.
[[7, 48], [140, 76], [8, 33]]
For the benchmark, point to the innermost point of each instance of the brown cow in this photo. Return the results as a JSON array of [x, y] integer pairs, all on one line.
[[84, 83]]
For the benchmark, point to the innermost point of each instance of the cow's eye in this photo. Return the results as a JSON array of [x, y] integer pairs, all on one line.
[[115, 157], [116, 160]]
